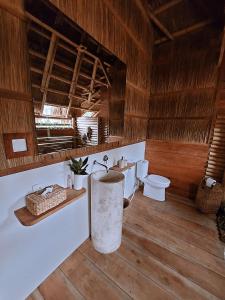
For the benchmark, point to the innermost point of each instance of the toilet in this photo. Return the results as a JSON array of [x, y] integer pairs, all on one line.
[[154, 185]]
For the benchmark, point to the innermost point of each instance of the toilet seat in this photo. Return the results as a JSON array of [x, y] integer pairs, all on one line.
[[158, 181]]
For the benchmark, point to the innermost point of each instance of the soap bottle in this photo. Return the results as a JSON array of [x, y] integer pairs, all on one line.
[[69, 182], [122, 163]]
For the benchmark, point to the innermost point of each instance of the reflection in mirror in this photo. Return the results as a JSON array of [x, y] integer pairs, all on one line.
[[78, 86]]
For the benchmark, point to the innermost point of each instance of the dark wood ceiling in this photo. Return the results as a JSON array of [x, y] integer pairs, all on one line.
[[174, 18]]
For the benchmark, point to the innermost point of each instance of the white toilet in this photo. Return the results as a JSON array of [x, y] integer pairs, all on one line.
[[154, 185]]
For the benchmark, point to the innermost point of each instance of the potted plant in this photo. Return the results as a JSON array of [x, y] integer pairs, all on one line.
[[78, 167]]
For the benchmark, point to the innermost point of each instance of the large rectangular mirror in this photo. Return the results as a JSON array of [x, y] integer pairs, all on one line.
[[78, 86]]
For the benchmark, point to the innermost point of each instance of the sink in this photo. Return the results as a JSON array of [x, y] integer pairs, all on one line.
[[108, 177], [107, 189]]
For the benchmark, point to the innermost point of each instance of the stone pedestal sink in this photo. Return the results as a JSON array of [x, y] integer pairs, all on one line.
[[106, 210]]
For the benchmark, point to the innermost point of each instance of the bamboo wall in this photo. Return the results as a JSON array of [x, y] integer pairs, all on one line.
[[121, 26], [184, 79], [16, 106]]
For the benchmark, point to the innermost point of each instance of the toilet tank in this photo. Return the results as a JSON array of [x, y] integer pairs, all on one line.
[[142, 169]]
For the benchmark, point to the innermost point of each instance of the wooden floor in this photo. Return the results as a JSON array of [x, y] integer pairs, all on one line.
[[169, 251]]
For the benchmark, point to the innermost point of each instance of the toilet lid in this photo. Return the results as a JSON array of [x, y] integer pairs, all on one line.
[[158, 179]]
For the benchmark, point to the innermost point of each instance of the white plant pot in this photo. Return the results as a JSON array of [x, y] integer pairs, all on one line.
[[78, 181]]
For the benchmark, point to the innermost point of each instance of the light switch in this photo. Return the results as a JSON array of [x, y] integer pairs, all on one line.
[[19, 145]]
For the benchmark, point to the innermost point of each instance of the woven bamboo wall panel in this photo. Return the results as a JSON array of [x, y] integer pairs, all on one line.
[[198, 103], [134, 106], [116, 127], [134, 21], [188, 62], [195, 131], [22, 123], [117, 107], [135, 126], [16, 106], [13, 54], [3, 162], [186, 75], [138, 71], [183, 87]]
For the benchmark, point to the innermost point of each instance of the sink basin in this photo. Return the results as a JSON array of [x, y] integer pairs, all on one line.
[[106, 210], [108, 177]]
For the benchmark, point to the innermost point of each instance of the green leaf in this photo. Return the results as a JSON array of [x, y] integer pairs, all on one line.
[[85, 161], [79, 166], [83, 172], [73, 159], [84, 169]]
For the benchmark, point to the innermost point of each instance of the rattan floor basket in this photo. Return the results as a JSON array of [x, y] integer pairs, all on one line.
[[207, 199], [38, 204]]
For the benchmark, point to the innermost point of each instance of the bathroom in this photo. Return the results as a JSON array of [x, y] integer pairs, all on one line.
[[149, 108]]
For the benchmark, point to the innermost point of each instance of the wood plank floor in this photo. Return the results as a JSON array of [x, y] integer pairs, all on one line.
[[169, 251]]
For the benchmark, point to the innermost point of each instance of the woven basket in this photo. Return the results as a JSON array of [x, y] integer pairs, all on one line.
[[38, 204], [208, 199]]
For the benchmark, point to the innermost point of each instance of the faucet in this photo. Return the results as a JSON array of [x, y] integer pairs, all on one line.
[[98, 163]]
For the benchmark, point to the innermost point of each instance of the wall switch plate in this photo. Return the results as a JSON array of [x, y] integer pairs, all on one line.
[[19, 145]]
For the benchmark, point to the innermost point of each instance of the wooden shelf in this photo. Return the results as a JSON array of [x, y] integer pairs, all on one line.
[[118, 169], [27, 219]]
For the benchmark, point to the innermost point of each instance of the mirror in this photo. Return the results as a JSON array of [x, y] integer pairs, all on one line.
[[78, 86]]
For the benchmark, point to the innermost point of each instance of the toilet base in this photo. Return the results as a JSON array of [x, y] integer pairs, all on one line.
[[155, 193]]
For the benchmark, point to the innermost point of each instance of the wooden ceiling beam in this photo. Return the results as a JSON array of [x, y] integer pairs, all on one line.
[[105, 72], [49, 62], [160, 25], [166, 6], [153, 18], [48, 69], [39, 71], [98, 102], [82, 74], [142, 6], [93, 80], [51, 90], [76, 71], [186, 30]]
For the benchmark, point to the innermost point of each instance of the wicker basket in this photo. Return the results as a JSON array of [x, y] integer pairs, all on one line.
[[38, 204], [208, 199]]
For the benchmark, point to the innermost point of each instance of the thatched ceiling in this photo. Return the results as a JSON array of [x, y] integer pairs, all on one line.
[[60, 76], [179, 17]]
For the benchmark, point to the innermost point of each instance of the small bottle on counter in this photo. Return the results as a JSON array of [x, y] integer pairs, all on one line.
[[69, 182]]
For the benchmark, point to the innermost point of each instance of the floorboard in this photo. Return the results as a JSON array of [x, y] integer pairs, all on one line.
[[169, 251]]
